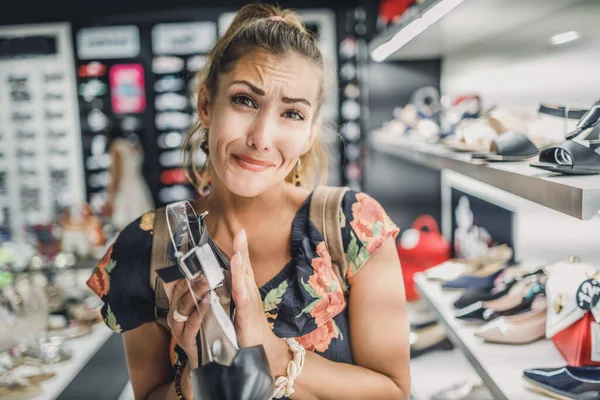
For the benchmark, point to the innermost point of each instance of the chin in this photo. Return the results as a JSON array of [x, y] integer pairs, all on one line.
[[244, 186]]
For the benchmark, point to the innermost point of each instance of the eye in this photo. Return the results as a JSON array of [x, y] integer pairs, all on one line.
[[244, 101], [294, 114]]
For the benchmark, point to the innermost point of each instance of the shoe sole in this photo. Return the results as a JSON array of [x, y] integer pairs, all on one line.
[[546, 391]]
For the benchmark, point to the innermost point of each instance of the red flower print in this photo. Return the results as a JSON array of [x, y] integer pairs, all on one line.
[[320, 338], [323, 282], [98, 282], [371, 223]]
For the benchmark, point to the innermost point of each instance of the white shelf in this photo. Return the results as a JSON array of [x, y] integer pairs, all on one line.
[[82, 349], [577, 196], [435, 364], [490, 19], [499, 366]]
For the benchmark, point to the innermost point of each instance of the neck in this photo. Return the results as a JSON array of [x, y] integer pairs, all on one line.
[[229, 213]]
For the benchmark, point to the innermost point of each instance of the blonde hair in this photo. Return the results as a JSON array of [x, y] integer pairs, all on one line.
[[256, 26]]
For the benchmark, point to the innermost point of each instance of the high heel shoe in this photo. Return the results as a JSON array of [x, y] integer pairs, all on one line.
[[519, 298], [501, 289], [226, 371], [571, 157], [517, 329]]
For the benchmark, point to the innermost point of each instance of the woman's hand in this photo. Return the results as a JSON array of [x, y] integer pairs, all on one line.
[[186, 333], [251, 324]]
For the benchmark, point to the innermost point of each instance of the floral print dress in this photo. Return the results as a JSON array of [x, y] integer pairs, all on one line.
[[304, 300]]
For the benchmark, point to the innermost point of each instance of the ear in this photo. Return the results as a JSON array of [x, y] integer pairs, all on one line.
[[204, 106]]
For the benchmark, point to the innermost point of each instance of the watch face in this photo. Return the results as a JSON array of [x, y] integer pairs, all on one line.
[[352, 152], [167, 65], [131, 123], [97, 120], [348, 47], [170, 140], [172, 120], [350, 110], [351, 131], [169, 83], [196, 63], [351, 91], [93, 69], [170, 101], [352, 171], [348, 71], [171, 158]]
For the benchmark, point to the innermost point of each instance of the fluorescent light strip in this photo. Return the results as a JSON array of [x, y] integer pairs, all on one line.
[[564, 37], [413, 29]]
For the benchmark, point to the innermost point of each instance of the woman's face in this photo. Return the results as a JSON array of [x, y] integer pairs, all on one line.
[[260, 120]]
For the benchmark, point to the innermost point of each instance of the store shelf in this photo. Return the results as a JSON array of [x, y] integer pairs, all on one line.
[[83, 349], [499, 366], [454, 32], [577, 196], [435, 364]]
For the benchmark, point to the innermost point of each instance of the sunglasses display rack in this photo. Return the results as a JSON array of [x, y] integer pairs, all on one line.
[[178, 53], [42, 176]]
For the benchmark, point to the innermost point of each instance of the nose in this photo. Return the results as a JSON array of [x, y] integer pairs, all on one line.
[[262, 132]]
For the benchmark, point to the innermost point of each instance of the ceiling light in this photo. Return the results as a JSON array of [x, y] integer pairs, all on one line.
[[413, 29], [564, 37]]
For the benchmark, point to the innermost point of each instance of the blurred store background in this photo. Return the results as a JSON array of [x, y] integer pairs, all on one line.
[[473, 122]]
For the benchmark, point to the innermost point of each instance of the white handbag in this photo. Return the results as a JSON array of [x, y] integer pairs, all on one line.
[[564, 296]]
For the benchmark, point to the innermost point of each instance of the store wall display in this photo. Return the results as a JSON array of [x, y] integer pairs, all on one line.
[[179, 50], [353, 110], [43, 176], [112, 99]]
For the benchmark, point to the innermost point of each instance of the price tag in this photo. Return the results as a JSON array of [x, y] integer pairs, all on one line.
[[588, 294]]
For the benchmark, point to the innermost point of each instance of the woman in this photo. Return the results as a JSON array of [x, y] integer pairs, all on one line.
[[258, 108]]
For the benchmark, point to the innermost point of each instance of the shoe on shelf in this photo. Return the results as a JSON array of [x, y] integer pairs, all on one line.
[[481, 279], [432, 338], [509, 277], [516, 329], [519, 299], [580, 383]]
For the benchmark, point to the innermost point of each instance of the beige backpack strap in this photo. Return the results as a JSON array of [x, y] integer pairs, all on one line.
[[160, 243], [325, 209]]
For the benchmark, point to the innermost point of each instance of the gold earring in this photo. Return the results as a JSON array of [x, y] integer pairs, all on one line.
[[204, 144], [297, 179]]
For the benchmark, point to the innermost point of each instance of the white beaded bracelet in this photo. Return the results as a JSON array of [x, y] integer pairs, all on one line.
[[284, 384]]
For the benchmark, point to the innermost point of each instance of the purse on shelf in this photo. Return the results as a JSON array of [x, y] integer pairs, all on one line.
[[573, 319], [420, 248]]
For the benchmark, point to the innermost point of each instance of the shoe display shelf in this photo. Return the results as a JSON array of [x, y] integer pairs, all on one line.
[[82, 350], [500, 366], [576, 196], [454, 31]]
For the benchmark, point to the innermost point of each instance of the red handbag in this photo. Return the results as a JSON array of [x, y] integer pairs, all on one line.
[[575, 342], [428, 250]]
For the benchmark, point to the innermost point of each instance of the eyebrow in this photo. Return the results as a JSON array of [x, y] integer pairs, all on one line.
[[260, 92]]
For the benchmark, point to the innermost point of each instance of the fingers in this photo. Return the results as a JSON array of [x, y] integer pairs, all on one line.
[[187, 304], [240, 245], [192, 325], [238, 281], [184, 302]]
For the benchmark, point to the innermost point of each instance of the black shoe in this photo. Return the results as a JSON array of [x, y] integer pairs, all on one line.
[[580, 383]]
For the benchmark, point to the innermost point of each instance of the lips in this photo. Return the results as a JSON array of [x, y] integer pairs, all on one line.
[[252, 164]]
